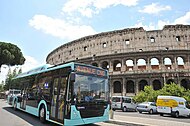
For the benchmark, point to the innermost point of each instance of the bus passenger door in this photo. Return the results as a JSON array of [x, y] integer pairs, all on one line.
[[57, 101], [54, 99], [24, 98], [61, 98]]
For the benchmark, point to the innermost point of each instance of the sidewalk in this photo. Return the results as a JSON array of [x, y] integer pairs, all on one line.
[[139, 121]]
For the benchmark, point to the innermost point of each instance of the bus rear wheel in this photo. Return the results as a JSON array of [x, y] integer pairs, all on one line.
[[42, 114]]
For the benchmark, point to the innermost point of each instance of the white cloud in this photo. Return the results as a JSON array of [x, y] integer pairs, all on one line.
[[181, 20], [161, 23], [71, 26], [60, 28], [154, 8], [82, 6], [184, 19], [151, 26], [89, 7], [102, 4], [30, 63]]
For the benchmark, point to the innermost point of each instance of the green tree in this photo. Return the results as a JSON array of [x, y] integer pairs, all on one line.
[[187, 95], [10, 54], [140, 97], [10, 83], [147, 95], [1, 86], [20, 71], [8, 80], [169, 89], [172, 89]]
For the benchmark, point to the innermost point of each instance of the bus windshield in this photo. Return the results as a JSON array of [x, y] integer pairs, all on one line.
[[90, 88]]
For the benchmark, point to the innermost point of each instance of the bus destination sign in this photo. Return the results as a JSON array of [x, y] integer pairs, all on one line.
[[90, 70]]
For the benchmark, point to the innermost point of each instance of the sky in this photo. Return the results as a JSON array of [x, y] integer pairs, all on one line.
[[39, 26]]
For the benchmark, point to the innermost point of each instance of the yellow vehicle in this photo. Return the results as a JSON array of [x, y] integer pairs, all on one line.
[[176, 106]]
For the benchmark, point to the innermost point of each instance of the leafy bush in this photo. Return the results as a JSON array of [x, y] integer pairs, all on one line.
[[172, 89], [169, 89]]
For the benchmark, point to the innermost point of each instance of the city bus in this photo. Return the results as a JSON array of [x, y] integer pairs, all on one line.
[[67, 94]]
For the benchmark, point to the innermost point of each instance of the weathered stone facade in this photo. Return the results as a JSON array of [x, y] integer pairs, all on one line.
[[134, 57]]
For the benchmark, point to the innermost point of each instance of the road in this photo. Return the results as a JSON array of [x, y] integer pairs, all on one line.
[[153, 116], [9, 117]]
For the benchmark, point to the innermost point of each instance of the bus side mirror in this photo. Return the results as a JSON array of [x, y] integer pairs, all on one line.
[[72, 77]]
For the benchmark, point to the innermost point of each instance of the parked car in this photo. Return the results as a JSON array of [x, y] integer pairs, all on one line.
[[149, 107], [172, 105], [123, 103], [2, 95]]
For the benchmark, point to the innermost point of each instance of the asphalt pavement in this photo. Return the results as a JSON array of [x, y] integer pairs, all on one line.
[[9, 117], [140, 121]]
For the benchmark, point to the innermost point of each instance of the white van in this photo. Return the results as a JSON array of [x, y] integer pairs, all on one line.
[[175, 106], [123, 103], [11, 94]]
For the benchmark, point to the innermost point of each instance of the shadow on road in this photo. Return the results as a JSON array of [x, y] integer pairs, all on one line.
[[165, 115], [146, 113], [33, 120], [179, 118]]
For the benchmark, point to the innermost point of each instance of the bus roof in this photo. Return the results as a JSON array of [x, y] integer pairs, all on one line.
[[49, 67]]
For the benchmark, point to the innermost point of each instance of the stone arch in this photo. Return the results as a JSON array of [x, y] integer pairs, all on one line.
[[117, 65], [168, 63], [185, 83], [156, 84], [141, 64], [169, 81], [154, 62], [117, 87], [105, 65], [180, 62], [130, 86], [142, 84], [94, 64], [129, 65]]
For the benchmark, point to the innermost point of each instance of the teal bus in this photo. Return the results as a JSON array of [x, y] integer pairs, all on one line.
[[67, 94]]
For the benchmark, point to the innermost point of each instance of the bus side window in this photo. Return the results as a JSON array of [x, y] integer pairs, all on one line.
[[43, 85]]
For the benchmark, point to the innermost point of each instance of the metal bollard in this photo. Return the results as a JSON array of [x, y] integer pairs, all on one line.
[[111, 114]]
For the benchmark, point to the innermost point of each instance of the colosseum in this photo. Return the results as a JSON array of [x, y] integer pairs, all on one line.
[[134, 57]]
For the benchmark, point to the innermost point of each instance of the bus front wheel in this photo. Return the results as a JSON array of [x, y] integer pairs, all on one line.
[[42, 114]]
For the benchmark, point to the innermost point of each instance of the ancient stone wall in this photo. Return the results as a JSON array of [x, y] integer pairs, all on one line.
[[164, 54]]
